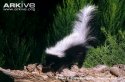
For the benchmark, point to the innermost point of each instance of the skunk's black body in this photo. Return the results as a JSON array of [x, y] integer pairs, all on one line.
[[74, 55]]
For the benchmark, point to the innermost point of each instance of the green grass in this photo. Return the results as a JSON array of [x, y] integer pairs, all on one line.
[[111, 22], [112, 15], [110, 53], [18, 43]]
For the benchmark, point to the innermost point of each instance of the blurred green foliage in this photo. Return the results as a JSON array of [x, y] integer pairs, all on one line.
[[2, 60], [22, 41], [111, 19], [110, 53]]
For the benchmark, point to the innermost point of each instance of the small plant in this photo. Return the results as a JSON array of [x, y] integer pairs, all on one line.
[[16, 51], [110, 53]]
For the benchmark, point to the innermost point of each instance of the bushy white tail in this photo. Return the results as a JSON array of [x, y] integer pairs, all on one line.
[[84, 16], [78, 36]]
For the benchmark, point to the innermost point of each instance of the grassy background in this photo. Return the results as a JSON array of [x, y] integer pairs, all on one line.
[[25, 35], [112, 18]]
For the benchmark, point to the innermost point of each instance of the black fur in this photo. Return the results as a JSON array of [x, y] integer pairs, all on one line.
[[74, 55]]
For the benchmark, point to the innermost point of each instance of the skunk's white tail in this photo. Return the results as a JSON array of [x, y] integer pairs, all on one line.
[[77, 37], [84, 16]]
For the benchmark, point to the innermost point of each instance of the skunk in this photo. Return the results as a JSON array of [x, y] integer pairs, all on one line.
[[73, 46]]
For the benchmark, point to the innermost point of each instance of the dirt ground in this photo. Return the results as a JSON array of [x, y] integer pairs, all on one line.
[[100, 73]]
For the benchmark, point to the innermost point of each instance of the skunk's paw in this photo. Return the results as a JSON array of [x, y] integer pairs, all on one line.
[[54, 52]]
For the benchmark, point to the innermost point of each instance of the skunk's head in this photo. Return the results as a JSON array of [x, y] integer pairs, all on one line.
[[54, 58]]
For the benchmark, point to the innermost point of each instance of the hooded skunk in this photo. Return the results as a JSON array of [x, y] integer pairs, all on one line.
[[72, 47]]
